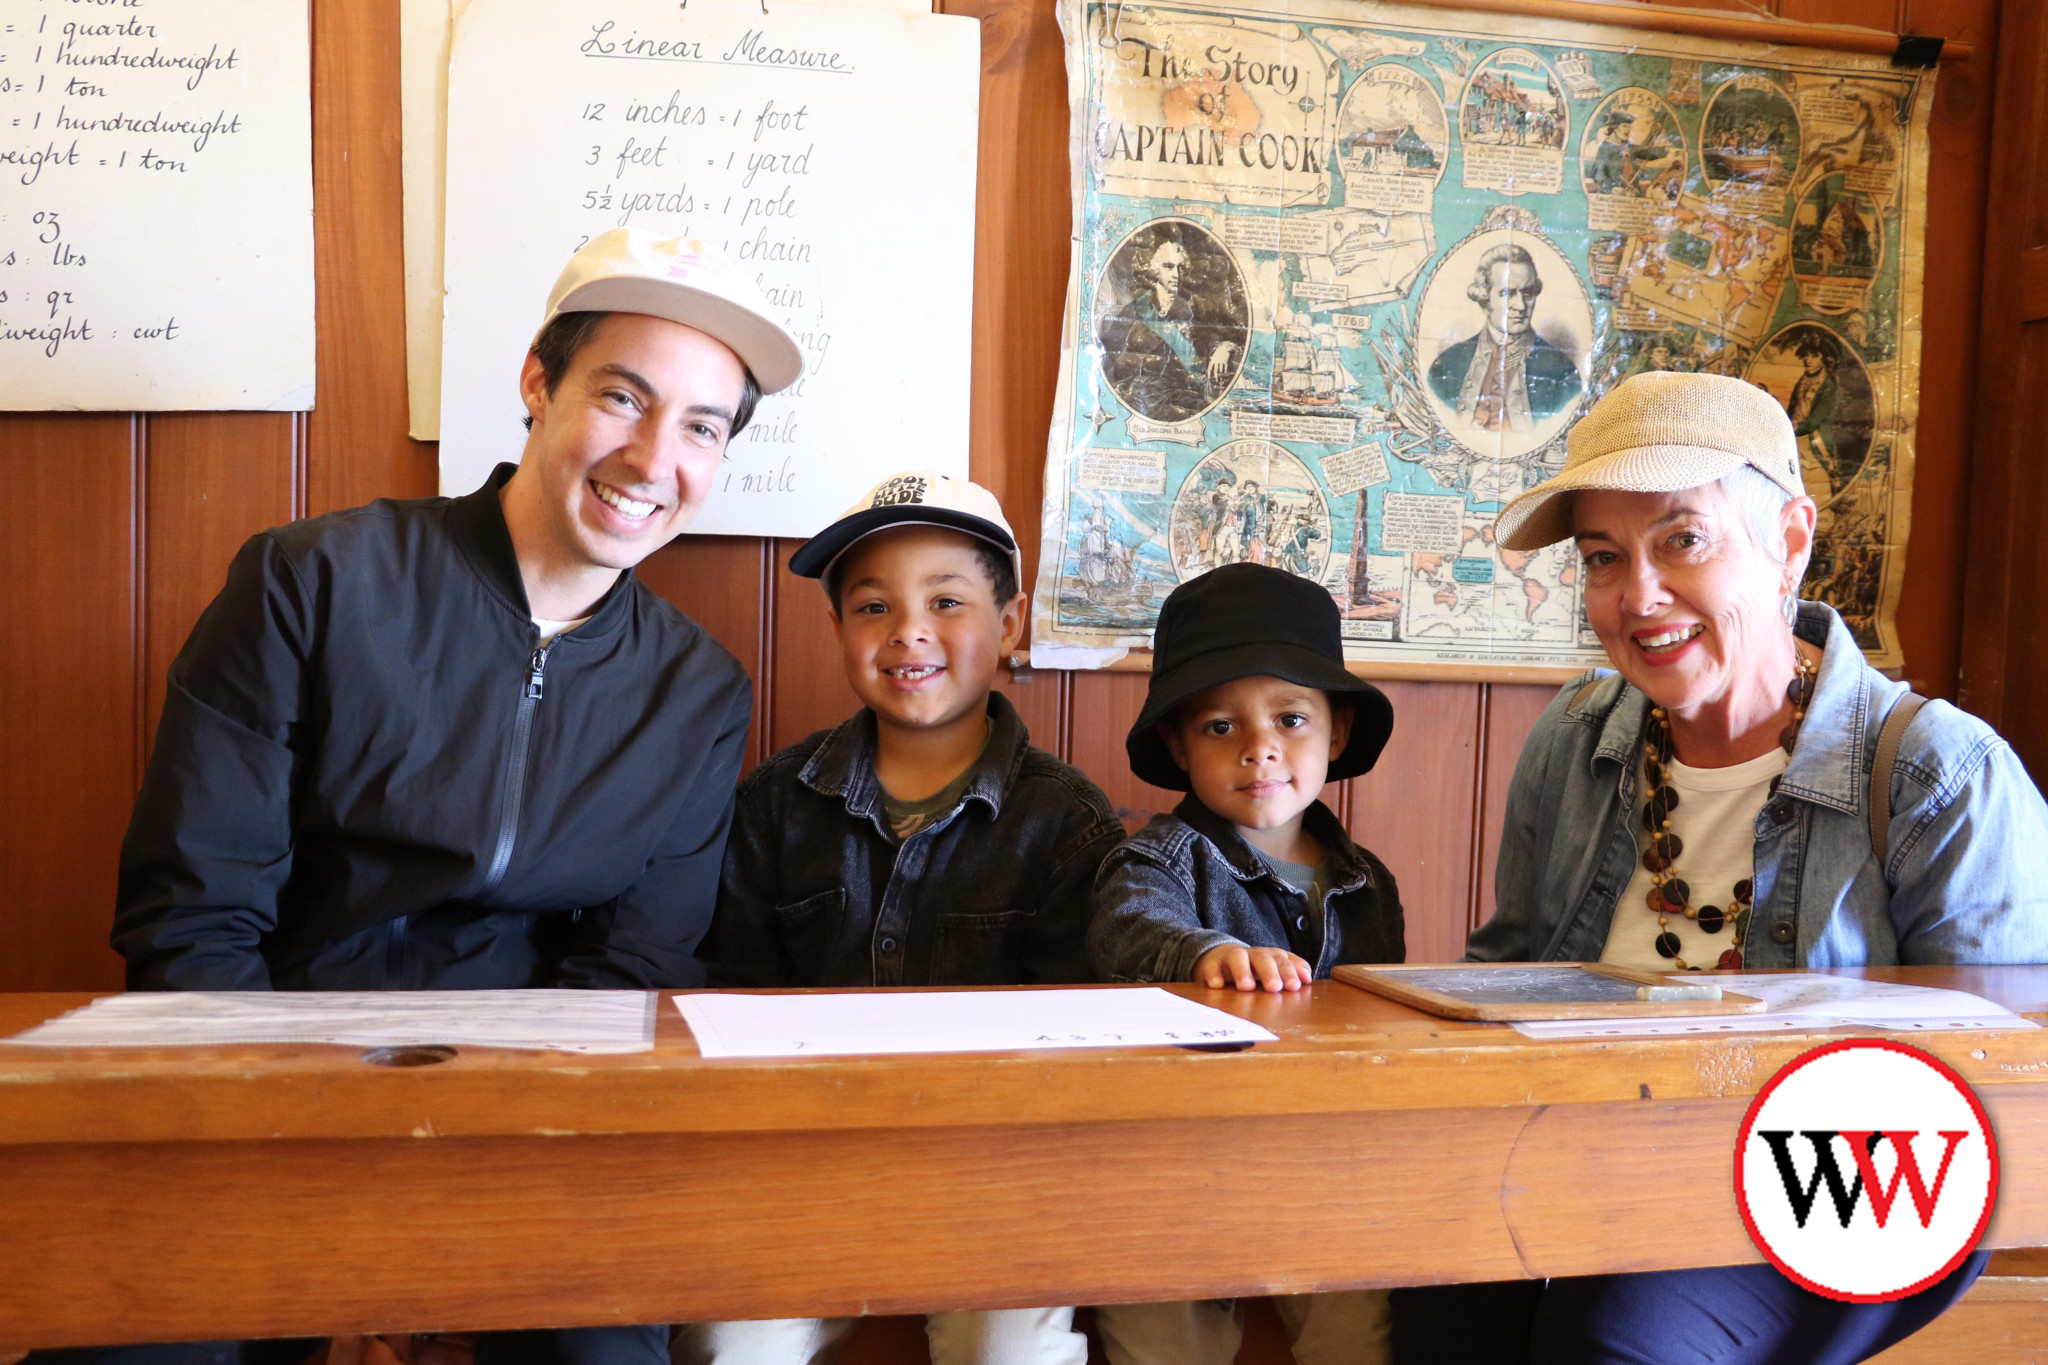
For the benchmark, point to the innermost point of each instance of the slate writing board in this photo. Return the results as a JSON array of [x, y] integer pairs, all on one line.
[[1532, 990]]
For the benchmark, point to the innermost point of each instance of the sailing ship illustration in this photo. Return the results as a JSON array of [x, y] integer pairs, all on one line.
[[1311, 372]]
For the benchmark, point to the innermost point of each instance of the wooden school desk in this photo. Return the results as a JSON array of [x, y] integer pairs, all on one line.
[[148, 1196]]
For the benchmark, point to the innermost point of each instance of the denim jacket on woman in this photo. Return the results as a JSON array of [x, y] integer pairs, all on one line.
[[1966, 879]]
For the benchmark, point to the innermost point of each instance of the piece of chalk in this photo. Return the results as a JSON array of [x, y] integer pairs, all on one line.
[[1678, 992]]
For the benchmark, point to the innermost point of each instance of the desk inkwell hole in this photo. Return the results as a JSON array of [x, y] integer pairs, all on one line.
[[409, 1056]]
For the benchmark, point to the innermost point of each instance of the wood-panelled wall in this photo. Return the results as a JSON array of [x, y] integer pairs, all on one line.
[[116, 529]]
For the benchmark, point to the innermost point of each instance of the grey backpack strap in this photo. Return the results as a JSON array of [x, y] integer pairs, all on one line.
[[1888, 740]]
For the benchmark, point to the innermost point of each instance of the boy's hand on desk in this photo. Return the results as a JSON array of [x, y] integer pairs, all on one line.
[[1251, 969], [368, 1351]]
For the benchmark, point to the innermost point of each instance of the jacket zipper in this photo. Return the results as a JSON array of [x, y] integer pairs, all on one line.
[[513, 786]]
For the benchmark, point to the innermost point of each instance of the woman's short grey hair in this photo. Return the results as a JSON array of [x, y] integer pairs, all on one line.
[[1760, 505]]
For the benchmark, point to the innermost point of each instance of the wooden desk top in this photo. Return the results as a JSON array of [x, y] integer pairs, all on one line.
[[1340, 1051]]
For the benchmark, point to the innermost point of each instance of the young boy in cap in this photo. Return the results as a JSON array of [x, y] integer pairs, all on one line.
[[892, 850], [1251, 883]]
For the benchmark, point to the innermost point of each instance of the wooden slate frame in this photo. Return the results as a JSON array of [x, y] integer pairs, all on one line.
[[1387, 981]]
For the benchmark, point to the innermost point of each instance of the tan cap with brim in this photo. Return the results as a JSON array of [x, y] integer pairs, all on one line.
[[1659, 432], [631, 270]]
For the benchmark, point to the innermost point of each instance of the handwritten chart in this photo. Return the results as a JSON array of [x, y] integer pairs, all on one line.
[[156, 206], [828, 150]]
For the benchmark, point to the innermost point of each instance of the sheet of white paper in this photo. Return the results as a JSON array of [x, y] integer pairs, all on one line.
[[953, 1021], [156, 206], [424, 28], [1802, 1001], [829, 150], [557, 1020]]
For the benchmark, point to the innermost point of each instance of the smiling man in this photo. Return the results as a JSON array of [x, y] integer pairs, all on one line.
[[454, 743]]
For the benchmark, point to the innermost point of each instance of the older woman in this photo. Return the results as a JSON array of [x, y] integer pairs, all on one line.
[[1708, 805]]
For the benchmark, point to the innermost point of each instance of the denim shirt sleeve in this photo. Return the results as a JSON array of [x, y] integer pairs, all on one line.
[[1513, 934], [1056, 950], [1146, 926], [1969, 855], [742, 949]]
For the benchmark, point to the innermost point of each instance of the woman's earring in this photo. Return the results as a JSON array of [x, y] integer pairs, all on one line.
[[1791, 608]]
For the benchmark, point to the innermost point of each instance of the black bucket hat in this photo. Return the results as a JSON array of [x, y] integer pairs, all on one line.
[[1241, 621]]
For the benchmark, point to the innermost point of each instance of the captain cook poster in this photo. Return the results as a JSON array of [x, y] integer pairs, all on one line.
[[1344, 276]]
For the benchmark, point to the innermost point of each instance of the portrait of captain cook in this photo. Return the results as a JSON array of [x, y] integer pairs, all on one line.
[[1505, 377]]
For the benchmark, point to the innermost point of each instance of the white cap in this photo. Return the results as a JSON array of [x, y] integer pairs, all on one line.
[[1660, 431], [631, 270], [915, 497]]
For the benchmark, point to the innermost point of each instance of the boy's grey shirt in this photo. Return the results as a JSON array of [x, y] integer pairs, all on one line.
[[1188, 882], [1967, 876], [996, 892]]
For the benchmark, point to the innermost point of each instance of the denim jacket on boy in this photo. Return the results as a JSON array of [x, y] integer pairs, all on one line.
[[995, 892], [1188, 882], [1967, 876]]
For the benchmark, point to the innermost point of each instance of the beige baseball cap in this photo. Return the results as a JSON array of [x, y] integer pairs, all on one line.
[[632, 270], [1659, 432], [915, 497]]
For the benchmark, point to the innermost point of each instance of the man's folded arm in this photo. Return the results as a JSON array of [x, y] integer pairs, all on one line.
[[647, 936], [209, 847]]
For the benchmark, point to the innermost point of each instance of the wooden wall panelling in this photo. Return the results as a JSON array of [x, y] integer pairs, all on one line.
[[1022, 221], [1416, 809], [810, 691], [723, 583], [2006, 641], [1100, 715], [1511, 713], [1881, 14], [1039, 696], [71, 562], [358, 447], [1022, 218], [213, 479]]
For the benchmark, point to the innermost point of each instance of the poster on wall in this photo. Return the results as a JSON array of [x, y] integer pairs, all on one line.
[[156, 207], [425, 30], [1295, 229], [828, 150]]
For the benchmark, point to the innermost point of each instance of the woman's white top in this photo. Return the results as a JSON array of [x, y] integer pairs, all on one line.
[[1716, 822]]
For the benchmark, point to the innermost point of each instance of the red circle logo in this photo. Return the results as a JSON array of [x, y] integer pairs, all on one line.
[[1866, 1170]]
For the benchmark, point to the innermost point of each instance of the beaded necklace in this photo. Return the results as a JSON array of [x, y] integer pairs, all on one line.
[[1668, 894]]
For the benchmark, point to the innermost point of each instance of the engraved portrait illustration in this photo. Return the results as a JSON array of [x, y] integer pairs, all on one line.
[[1505, 375], [1172, 320]]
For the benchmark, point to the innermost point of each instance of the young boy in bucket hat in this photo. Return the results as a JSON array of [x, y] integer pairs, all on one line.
[[1251, 883], [924, 842]]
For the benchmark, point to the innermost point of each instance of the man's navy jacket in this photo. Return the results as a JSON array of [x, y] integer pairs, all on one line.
[[369, 776]]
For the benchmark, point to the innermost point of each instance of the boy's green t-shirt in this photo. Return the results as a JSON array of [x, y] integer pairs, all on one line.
[[905, 818], [1312, 882]]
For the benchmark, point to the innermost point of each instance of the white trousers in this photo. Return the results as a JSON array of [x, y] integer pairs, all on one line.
[[1325, 1329], [1348, 1328], [1009, 1336]]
